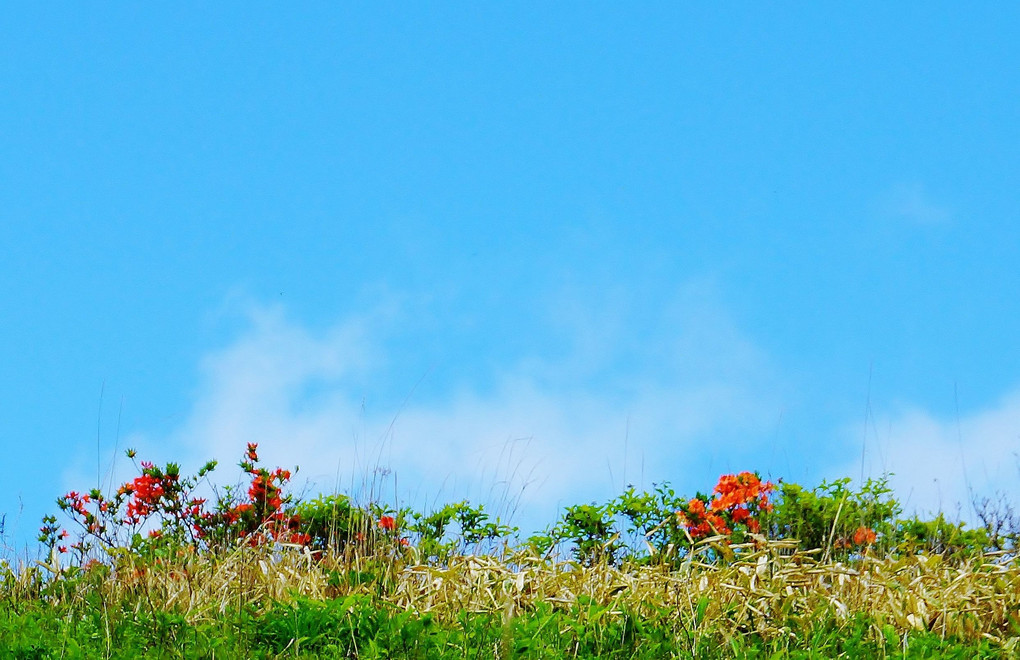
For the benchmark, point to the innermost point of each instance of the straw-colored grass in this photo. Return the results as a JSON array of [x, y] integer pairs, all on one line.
[[771, 589]]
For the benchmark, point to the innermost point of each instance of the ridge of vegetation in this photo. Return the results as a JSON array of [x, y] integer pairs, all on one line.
[[751, 569]]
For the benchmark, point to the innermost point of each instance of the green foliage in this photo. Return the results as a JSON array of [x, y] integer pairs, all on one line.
[[591, 530], [651, 522], [939, 536], [68, 611], [331, 522], [361, 626], [456, 528], [828, 516]]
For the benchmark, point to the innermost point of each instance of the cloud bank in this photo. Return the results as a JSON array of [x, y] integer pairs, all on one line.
[[540, 437], [945, 463], [548, 433]]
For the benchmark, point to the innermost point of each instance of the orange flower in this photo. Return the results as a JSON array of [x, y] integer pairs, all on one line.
[[864, 536], [387, 523], [717, 523]]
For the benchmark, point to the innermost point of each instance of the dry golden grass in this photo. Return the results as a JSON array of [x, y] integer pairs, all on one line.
[[768, 589]]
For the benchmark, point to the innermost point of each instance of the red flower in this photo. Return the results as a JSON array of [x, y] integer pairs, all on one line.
[[387, 523]]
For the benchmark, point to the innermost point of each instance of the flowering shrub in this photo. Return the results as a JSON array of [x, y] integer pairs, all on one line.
[[259, 518], [739, 499], [660, 522], [835, 517], [161, 500]]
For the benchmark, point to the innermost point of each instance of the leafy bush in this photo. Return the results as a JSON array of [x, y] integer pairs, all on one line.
[[651, 523], [455, 528], [329, 521], [939, 536], [834, 517], [591, 530]]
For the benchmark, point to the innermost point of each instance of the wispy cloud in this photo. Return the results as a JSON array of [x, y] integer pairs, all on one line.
[[536, 439], [941, 464], [545, 433]]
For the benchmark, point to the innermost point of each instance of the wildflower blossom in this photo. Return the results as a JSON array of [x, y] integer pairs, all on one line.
[[864, 536]]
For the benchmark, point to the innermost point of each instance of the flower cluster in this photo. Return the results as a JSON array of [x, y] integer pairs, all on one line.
[[863, 537], [739, 499], [164, 497], [388, 524], [261, 518], [164, 494]]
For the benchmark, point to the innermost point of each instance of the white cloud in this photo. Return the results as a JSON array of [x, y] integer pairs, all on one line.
[[299, 394], [548, 433], [938, 463]]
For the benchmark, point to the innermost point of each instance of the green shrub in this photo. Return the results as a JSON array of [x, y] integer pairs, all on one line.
[[331, 522], [938, 536], [654, 531], [591, 531], [831, 515], [456, 528]]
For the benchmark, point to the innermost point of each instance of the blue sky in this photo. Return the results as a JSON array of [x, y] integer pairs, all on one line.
[[526, 253]]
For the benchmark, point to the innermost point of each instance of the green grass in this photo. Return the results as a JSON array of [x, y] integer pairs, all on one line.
[[360, 627], [248, 604]]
